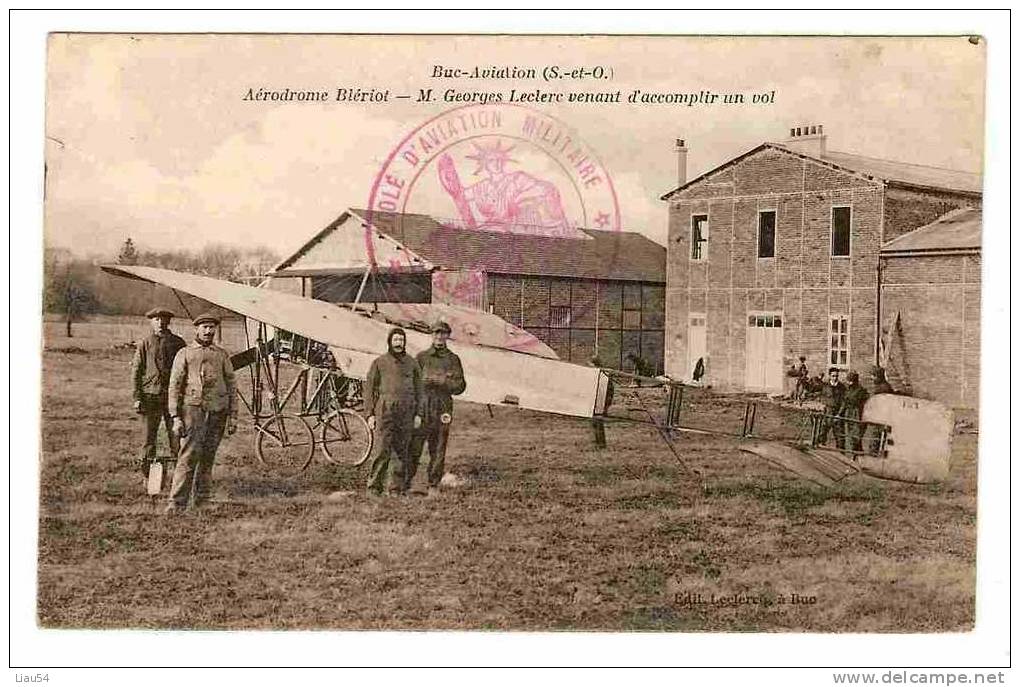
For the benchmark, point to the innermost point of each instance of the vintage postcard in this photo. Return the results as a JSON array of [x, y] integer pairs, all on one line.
[[516, 333]]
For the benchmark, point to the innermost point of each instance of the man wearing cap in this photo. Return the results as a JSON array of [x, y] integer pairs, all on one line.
[[852, 411], [832, 397], [203, 406], [150, 377], [443, 378], [393, 398]]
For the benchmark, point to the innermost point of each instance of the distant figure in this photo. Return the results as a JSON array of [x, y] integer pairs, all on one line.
[[203, 402], [873, 433], [598, 425], [443, 378], [150, 380], [853, 411], [881, 384], [800, 391], [699, 370], [393, 401], [832, 397]]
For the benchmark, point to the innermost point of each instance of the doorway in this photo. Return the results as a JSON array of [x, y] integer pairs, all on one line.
[[764, 352]]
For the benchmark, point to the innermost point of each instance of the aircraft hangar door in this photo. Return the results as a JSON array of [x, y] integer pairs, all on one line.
[[764, 371]]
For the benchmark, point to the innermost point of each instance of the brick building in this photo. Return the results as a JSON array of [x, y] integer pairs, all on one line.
[[931, 308], [591, 292], [776, 254]]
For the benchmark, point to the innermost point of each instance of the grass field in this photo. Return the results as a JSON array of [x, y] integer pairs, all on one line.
[[544, 533]]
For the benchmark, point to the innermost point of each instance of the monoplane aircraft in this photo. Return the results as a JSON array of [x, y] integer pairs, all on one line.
[[328, 349]]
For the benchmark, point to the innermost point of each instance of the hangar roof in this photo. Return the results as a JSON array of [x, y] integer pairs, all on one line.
[[956, 230], [589, 254]]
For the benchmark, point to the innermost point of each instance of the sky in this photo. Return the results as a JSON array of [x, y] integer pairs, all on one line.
[[150, 137]]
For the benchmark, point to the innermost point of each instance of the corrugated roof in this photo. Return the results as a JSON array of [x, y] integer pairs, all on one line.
[[627, 256], [906, 173], [956, 230]]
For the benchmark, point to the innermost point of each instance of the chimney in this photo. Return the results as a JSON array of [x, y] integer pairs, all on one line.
[[681, 162], [807, 139]]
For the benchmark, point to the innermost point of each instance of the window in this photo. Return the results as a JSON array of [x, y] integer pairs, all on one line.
[[841, 232], [632, 319], [767, 234], [839, 334], [699, 237], [559, 316], [632, 304], [771, 321]]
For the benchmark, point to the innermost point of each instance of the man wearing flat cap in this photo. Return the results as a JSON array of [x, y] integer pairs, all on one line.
[[443, 378], [203, 405], [832, 397], [852, 412], [150, 378]]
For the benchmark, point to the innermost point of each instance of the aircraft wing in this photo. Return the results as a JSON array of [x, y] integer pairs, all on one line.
[[469, 326], [494, 376]]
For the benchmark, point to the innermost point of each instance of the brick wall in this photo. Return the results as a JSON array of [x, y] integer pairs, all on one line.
[[939, 302], [803, 282], [908, 209]]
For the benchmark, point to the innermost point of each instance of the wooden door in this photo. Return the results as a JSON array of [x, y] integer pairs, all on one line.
[[764, 353]]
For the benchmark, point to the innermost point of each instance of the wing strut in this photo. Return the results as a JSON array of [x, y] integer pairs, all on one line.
[[664, 433], [181, 301], [361, 287]]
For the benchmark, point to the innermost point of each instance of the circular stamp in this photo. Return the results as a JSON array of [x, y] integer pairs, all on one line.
[[486, 189]]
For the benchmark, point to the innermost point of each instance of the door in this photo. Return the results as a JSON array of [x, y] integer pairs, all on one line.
[[764, 371], [696, 346]]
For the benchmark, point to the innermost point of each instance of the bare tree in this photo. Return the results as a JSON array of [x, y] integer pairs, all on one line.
[[67, 288]]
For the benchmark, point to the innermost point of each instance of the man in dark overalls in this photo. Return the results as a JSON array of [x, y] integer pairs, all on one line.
[[443, 378], [852, 412], [832, 397], [150, 377], [393, 398]]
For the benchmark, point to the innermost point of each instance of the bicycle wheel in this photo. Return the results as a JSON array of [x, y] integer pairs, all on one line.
[[345, 438], [285, 445]]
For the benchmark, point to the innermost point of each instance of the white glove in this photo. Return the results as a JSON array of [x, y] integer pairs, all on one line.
[[371, 421]]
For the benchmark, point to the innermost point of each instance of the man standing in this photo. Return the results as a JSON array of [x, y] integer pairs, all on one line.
[[203, 405], [150, 378], [832, 397], [881, 384], [443, 378], [852, 412], [393, 397], [800, 391]]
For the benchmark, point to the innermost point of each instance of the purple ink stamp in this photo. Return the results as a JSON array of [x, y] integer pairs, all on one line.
[[469, 181]]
